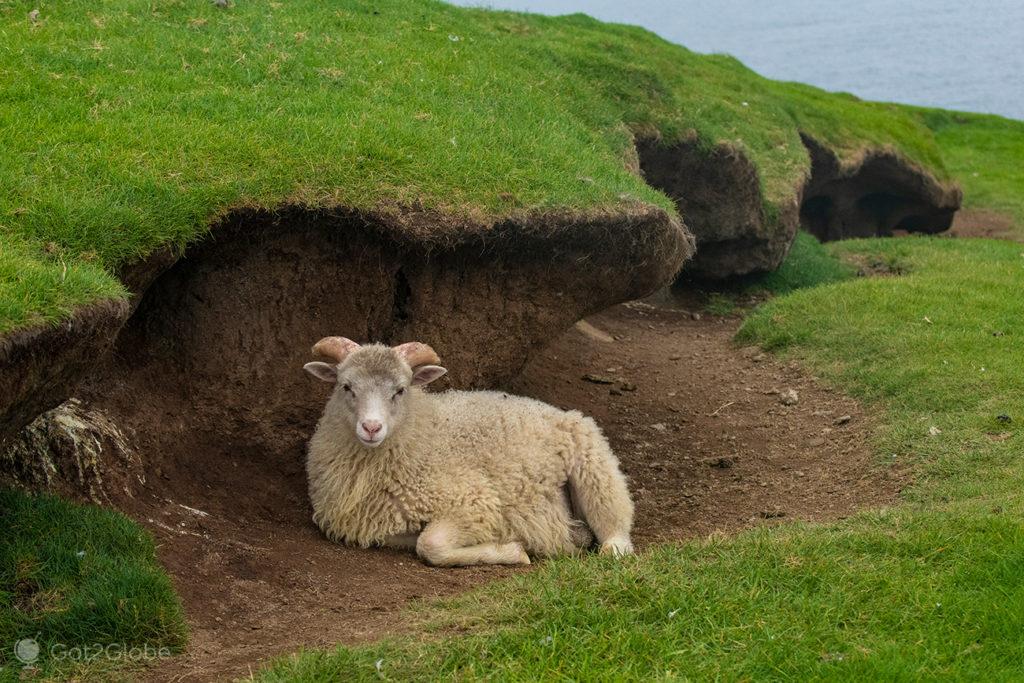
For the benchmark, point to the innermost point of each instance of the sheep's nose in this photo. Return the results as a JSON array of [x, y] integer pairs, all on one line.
[[371, 427]]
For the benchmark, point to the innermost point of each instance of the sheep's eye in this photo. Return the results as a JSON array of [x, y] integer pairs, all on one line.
[[399, 393]]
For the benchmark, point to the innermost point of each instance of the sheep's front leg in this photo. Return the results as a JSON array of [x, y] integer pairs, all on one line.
[[439, 545]]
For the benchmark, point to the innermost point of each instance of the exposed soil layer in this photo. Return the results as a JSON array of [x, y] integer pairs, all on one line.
[[697, 423], [220, 333], [878, 195], [718, 193], [985, 223], [40, 366]]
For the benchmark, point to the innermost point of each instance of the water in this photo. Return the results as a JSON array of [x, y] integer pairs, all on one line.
[[956, 54]]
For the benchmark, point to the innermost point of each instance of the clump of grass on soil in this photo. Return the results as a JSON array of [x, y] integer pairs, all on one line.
[[74, 576], [927, 589]]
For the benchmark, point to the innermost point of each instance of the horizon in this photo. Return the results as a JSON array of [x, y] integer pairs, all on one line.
[[947, 54]]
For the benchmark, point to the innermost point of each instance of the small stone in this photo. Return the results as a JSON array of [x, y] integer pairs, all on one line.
[[789, 397], [675, 357], [695, 316], [659, 426], [841, 420], [934, 431], [628, 386], [816, 442], [614, 392], [799, 473], [723, 463], [598, 379]]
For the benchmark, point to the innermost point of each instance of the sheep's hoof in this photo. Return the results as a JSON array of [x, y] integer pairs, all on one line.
[[515, 554], [617, 546]]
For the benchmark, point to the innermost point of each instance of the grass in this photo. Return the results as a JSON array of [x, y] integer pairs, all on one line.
[[129, 126], [72, 576], [808, 264], [984, 153], [928, 589]]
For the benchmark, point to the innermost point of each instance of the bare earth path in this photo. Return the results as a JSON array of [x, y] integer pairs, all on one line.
[[699, 426]]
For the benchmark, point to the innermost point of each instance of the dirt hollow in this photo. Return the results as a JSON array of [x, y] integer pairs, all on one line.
[[700, 428]]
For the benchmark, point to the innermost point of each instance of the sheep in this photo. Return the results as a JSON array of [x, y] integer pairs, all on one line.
[[461, 477]]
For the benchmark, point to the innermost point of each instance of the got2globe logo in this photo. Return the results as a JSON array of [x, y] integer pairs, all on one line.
[[26, 650]]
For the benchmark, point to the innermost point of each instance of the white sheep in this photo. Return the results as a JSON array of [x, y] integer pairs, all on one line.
[[464, 477]]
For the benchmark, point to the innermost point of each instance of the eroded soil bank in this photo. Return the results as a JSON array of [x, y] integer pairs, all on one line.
[[215, 334], [719, 194], [698, 424]]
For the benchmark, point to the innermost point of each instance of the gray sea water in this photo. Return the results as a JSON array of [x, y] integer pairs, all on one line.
[[957, 54]]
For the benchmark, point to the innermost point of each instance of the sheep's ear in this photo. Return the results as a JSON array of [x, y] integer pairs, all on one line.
[[425, 374], [324, 371]]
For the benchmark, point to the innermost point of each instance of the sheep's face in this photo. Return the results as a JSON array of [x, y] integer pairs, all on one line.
[[372, 390]]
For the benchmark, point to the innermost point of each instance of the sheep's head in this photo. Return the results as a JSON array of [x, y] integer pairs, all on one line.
[[372, 381]]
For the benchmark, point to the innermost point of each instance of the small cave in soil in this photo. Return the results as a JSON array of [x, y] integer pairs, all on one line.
[[883, 195]]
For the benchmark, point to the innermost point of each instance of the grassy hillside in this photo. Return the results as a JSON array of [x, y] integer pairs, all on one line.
[[127, 125], [929, 589]]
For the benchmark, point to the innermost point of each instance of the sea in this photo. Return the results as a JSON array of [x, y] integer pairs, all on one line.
[[956, 54]]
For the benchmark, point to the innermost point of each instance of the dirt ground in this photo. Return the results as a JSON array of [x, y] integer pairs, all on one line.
[[700, 426], [984, 223]]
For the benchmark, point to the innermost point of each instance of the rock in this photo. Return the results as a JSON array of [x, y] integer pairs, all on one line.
[[789, 397], [598, 379], [934, 431], [628, 386], [659, 426], [841, 420], [722, 462]]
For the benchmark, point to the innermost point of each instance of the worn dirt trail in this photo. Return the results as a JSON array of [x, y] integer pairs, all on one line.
[[698, 424]]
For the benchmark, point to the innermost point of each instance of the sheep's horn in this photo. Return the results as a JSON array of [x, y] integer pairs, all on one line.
[[335, 348], [417, 354]]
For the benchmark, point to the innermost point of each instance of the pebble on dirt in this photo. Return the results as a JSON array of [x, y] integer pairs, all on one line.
[[841, 420], [789, 397]]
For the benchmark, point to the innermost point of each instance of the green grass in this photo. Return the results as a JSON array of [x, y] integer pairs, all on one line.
[[73, 576], [984, 153], [930, 589], [808, 264], [127, 126]]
